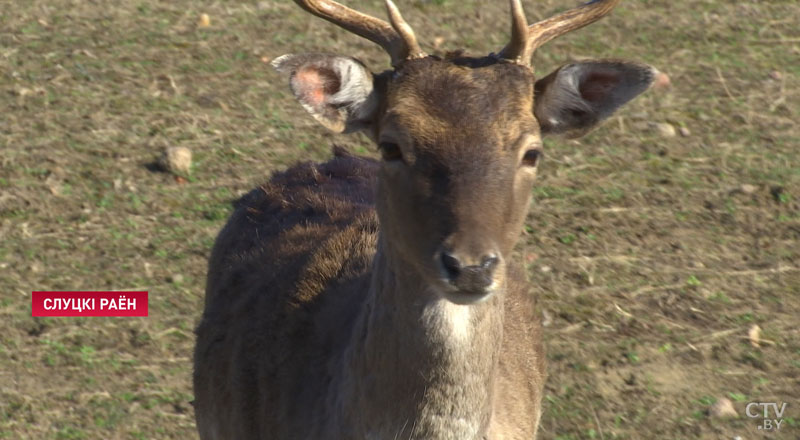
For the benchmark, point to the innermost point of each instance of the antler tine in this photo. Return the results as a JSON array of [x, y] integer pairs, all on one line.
[[548, 29], [399, 44], [516, 49], [404, 30]]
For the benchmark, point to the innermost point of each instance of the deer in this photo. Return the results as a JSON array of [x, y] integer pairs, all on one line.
[[366, 298]]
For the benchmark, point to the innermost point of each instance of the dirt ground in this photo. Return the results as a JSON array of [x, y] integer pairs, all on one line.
[[653, 252]]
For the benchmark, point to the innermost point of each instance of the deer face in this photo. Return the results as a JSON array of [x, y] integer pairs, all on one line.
[[460, 141], [460, 148]]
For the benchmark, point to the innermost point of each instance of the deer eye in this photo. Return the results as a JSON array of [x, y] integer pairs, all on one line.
[[531, 157], [390, 151]]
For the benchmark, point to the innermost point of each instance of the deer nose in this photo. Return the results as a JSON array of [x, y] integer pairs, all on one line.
[[469, 278]]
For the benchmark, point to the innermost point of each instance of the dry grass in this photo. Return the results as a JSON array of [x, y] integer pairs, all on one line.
[[651, 258]]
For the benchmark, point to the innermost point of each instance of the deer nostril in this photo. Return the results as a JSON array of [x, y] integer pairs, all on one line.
[[489, 262], [451, 265]]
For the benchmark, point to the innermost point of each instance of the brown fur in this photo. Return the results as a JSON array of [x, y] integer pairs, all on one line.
[[319, 220]]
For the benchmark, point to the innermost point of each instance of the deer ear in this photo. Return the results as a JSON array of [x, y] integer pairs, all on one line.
[[338, 91], [575, 97]]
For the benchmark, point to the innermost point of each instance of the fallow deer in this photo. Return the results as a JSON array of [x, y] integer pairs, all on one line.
[[364, 299]]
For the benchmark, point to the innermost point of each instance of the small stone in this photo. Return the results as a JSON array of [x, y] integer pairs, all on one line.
[[53, 183], [438, 42], [754, 334], [722, 409], [684, 132], [748, 189], [204, 21], [664, 129], [547, 318], [776, 75], [177, 160], [545, 269], [175, 279]]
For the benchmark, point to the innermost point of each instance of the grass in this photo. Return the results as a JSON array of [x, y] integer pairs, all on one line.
[[653, 255]]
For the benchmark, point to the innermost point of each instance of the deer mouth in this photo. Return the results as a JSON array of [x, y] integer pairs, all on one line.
[[469, 297], [464, 285]]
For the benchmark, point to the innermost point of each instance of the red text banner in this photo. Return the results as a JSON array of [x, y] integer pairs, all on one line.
[[64, 303]]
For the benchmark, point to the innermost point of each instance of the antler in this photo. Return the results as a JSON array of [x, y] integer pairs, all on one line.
[[396, 38], [524, 43]]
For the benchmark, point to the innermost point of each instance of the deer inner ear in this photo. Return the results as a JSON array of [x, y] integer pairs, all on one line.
[[337, 91], [312, 84]]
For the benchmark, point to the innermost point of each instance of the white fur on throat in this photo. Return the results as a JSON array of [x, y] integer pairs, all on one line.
[[451, 320]]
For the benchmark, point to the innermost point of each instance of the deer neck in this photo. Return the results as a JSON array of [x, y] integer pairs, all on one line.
[[418, 366]]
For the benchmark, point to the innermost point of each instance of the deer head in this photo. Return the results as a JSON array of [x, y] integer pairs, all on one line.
[[460, 137]]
